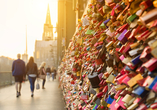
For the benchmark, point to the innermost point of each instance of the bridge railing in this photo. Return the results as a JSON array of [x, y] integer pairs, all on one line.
[[6, 78]]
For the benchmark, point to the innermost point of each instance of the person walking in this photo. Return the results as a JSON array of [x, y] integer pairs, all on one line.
[[55, 73], [43, 73], [18, 71], [32, 72], [48, 72], [52, 72]]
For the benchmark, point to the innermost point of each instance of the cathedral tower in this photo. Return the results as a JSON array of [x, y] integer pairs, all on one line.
[[48, 27]]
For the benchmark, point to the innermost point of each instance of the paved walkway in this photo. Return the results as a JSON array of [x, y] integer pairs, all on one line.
[[47, 99]]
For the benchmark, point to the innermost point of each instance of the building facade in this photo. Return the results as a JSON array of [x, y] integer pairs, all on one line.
[[25, 58], [5, 64], [69, 12], [65, 27], [79, 8], [46, 49]]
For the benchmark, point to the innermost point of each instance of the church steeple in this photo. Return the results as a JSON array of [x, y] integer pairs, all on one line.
[[48, 27], [48, 18]]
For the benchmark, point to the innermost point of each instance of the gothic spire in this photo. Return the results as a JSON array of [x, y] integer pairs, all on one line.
[[48, 18]]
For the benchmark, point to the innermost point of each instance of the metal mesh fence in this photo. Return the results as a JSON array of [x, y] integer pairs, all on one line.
[[6, 78]]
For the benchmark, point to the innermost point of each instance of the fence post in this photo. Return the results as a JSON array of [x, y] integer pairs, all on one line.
[[10, 79]]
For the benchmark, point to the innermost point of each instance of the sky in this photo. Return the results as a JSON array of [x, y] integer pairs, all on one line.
[[15, 16]]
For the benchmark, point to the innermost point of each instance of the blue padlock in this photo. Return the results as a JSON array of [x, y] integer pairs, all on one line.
[[119, 44], [153, 83], [136, 60], [99, 47], [128, 69], [140, 91], [110, 100], [88, 48], [105, 22]]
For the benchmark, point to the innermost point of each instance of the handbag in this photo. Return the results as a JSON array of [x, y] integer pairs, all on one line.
[[42, 76], [37, 85]]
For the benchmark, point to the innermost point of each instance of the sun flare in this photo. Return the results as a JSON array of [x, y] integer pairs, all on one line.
[[14, 18]]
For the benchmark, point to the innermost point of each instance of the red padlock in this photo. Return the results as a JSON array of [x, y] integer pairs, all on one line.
[[105, 89]]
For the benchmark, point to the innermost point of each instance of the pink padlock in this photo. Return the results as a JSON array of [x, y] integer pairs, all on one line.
[[121, 57], [155, 87], [125, 80]]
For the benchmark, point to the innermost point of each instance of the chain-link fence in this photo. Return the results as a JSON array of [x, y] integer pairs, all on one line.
[[6, 78]]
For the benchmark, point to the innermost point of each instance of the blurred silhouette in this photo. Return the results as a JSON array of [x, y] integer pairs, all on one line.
[[53, 73], [18, 71], [48, 71], [42, 73], [32, 72]]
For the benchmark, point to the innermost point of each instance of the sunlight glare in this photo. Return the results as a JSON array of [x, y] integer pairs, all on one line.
[[17, 15]]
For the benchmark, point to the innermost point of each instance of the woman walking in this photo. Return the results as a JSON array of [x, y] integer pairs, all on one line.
[[43, 73], [32, 72]]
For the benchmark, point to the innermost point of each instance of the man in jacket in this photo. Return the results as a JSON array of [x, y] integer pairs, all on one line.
[[18, 71]]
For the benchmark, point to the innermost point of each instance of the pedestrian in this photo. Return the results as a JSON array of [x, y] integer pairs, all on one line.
[[55, 73], [43, 73], [32, 72], [48, 72], [18, 71], [52, 72]]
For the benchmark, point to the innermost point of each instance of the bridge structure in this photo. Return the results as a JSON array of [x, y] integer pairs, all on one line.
[[44, 99]]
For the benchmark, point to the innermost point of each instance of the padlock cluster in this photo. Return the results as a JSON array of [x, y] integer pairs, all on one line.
[[111, 61]]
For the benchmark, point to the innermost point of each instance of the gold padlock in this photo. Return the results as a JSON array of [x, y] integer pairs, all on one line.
[[134, 45], [120, 87], [109, 44], [154, 52], [79, 41], [126, 60], [134, 7], [120, 17], [155, 3], [127, 98], [151, 97], [106, 9], [131, 101], [109, 23], [102, 37], [110, 78], [134, 80], [154, 44], [133, 106]]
